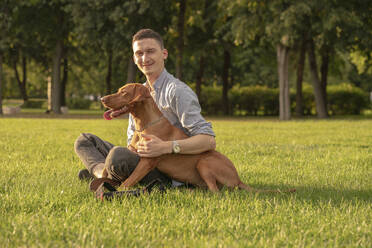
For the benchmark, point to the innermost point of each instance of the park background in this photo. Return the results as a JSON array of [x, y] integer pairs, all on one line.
[[305, 60], [278, 58]]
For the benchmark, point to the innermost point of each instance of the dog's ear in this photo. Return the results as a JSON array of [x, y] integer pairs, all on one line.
[[140, 93]]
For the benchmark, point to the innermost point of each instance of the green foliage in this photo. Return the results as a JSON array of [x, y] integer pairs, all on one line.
[[308, 100], [261, 100], [250, 100], [346, 99], [211, 100], [92, 30], [35, 103], [78, 103]]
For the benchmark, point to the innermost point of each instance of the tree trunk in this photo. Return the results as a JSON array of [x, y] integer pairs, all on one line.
[[321, 107], [49, 92], [131, 76], [1, 83], [109, 72], [225, 81], [324, 72], [21, 83], [180, 41], [284, 98], [300, 73], [56, 78], [199, 76], [64, 82]]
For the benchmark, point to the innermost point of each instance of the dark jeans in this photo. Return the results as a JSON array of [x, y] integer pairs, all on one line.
[[119, 161]]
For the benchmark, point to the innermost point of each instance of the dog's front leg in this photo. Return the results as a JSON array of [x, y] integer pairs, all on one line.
[[104, 173], [144, 166]]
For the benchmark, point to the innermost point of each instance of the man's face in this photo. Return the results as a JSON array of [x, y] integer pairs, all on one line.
[[149, 56]]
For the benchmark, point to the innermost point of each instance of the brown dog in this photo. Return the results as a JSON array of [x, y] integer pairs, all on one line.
[[209, 169]]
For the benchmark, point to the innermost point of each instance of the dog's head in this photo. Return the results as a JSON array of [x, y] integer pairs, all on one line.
[[122, 101]]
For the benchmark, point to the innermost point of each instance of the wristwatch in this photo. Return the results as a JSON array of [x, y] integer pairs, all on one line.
[[175, 147]]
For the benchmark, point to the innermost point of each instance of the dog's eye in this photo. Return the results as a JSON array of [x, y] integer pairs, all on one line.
[[123, 93]]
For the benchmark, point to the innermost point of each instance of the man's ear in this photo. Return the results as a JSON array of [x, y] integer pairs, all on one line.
[[140, 93], [165, 53]]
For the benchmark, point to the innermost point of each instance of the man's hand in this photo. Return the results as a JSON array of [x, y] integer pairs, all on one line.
[[151, 146], [130, 147]]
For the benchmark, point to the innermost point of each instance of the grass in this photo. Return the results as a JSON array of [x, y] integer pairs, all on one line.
[[43, 204]]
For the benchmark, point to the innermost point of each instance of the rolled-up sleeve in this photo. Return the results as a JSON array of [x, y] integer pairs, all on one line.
[[130, 130], [185, 105]]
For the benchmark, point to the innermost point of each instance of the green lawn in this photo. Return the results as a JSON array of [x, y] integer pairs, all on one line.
[[43, 204]]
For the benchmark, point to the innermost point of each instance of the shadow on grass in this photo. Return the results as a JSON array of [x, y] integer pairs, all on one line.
[[321, 194], [304, 194]]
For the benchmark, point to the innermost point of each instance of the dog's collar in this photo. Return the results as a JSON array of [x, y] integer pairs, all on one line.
[[149, 124]]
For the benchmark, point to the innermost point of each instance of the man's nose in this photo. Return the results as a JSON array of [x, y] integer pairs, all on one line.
[[145, 57]]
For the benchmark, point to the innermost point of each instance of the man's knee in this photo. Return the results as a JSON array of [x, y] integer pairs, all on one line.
[[119, 154], [81, 141], [121, 161]]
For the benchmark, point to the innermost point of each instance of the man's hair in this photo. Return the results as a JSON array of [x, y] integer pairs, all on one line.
[[148, 34]]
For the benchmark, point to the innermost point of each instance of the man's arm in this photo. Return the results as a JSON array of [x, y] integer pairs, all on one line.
[[185, 105], [152, 146], [131, 133], [197, 144]]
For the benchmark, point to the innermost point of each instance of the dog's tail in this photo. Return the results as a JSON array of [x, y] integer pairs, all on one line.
[[242, 185]]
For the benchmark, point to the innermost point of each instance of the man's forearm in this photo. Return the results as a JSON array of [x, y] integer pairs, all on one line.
[[152, 146], [196, 144]]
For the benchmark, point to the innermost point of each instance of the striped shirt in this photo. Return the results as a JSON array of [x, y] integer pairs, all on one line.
[[179, 104]]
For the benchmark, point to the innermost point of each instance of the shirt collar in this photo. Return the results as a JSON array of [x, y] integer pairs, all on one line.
[[160, 81]]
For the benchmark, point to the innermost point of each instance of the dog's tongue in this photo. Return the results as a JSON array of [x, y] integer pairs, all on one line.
[[110, 114], [107, 115]]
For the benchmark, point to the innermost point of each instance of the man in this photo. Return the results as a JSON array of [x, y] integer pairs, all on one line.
[[176, 101]]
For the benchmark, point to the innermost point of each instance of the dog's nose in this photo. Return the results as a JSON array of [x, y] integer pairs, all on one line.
[[102, 99]]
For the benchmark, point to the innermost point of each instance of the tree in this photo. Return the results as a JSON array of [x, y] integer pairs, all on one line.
[[32, 39], [43, 39], [284, 23], [202, 41], [275, 22], [5, 23], [21, 82], [107, 27], [1, 82], [332, 26], [22, 45], [180, 39], [60, 18], [284, 98], [225, 39], [320, 98], [300, 73]]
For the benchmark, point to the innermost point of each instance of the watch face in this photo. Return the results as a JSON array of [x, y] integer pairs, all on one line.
[[176, 147]]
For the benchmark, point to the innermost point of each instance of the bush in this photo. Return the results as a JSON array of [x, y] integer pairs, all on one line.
[[211, 100], [261, 100], [270, 100], [346, 99], [78, 103], [308, 100], [252, 100], [35, 103]]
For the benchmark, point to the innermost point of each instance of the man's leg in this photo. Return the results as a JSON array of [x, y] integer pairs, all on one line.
[[93, 152], [121, 162]]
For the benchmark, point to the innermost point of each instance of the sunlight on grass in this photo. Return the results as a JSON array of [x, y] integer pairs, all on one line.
[[43, 203]]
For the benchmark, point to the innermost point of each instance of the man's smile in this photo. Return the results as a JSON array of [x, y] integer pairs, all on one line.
[[148, 64]]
